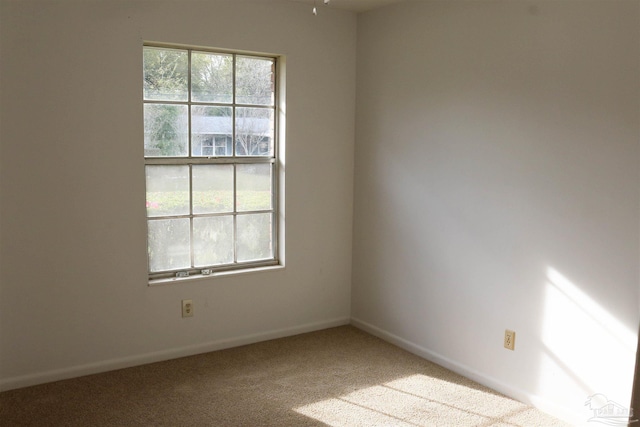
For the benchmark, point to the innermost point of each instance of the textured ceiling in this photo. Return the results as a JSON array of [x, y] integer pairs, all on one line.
[[353, 5]]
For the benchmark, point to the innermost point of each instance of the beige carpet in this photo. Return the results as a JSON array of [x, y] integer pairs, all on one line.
[[337, 377]]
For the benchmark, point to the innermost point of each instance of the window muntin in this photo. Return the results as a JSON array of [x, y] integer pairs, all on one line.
[[210, 152]]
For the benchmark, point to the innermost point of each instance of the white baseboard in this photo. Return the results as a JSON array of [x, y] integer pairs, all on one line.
[[158, 356], [515, 393]]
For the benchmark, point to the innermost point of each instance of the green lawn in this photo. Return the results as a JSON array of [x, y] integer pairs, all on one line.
[[177, 202]]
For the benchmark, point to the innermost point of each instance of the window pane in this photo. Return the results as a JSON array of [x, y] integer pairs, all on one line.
[[166, 130], [213, 240], [254, 237], [169, 244], [254, 81], [212, 188], [254, 131], [211, 131], [211, 77], [167, 190], [253, 186], [165, 74]]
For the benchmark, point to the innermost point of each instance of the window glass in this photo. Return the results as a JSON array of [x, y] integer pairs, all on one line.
[[208, 125], [212, 189], [255, 81], [212, 77], [166, 130], [165, 74]]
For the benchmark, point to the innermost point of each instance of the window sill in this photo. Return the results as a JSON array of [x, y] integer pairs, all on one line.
[[219, 274]]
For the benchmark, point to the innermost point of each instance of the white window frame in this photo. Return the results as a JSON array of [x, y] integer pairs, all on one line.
[[190, 160]]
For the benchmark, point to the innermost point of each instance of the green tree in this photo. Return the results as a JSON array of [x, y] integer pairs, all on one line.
[[165, 79], [212, 77], [254, 86], [165, 74]]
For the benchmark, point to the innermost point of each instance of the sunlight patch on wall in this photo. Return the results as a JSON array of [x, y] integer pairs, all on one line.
[[587, 350], [416, 400]]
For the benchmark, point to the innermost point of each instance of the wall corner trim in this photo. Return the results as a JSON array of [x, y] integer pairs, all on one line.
[[515, 393], [162, 355]]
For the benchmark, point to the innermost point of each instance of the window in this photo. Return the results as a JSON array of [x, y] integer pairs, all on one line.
[[210, 152]]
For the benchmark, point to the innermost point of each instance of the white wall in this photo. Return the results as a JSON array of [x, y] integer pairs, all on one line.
[[497, 187], [73, 287]]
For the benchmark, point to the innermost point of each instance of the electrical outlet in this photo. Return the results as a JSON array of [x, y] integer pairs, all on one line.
[[187, 308], [509, 339]]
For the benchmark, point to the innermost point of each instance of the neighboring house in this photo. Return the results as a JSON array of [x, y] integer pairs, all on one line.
[[213, 135]]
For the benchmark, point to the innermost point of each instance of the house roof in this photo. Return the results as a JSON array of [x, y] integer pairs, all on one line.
[[224, 125]]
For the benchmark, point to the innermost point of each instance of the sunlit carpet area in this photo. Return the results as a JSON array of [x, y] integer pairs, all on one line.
[[335, 377]]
